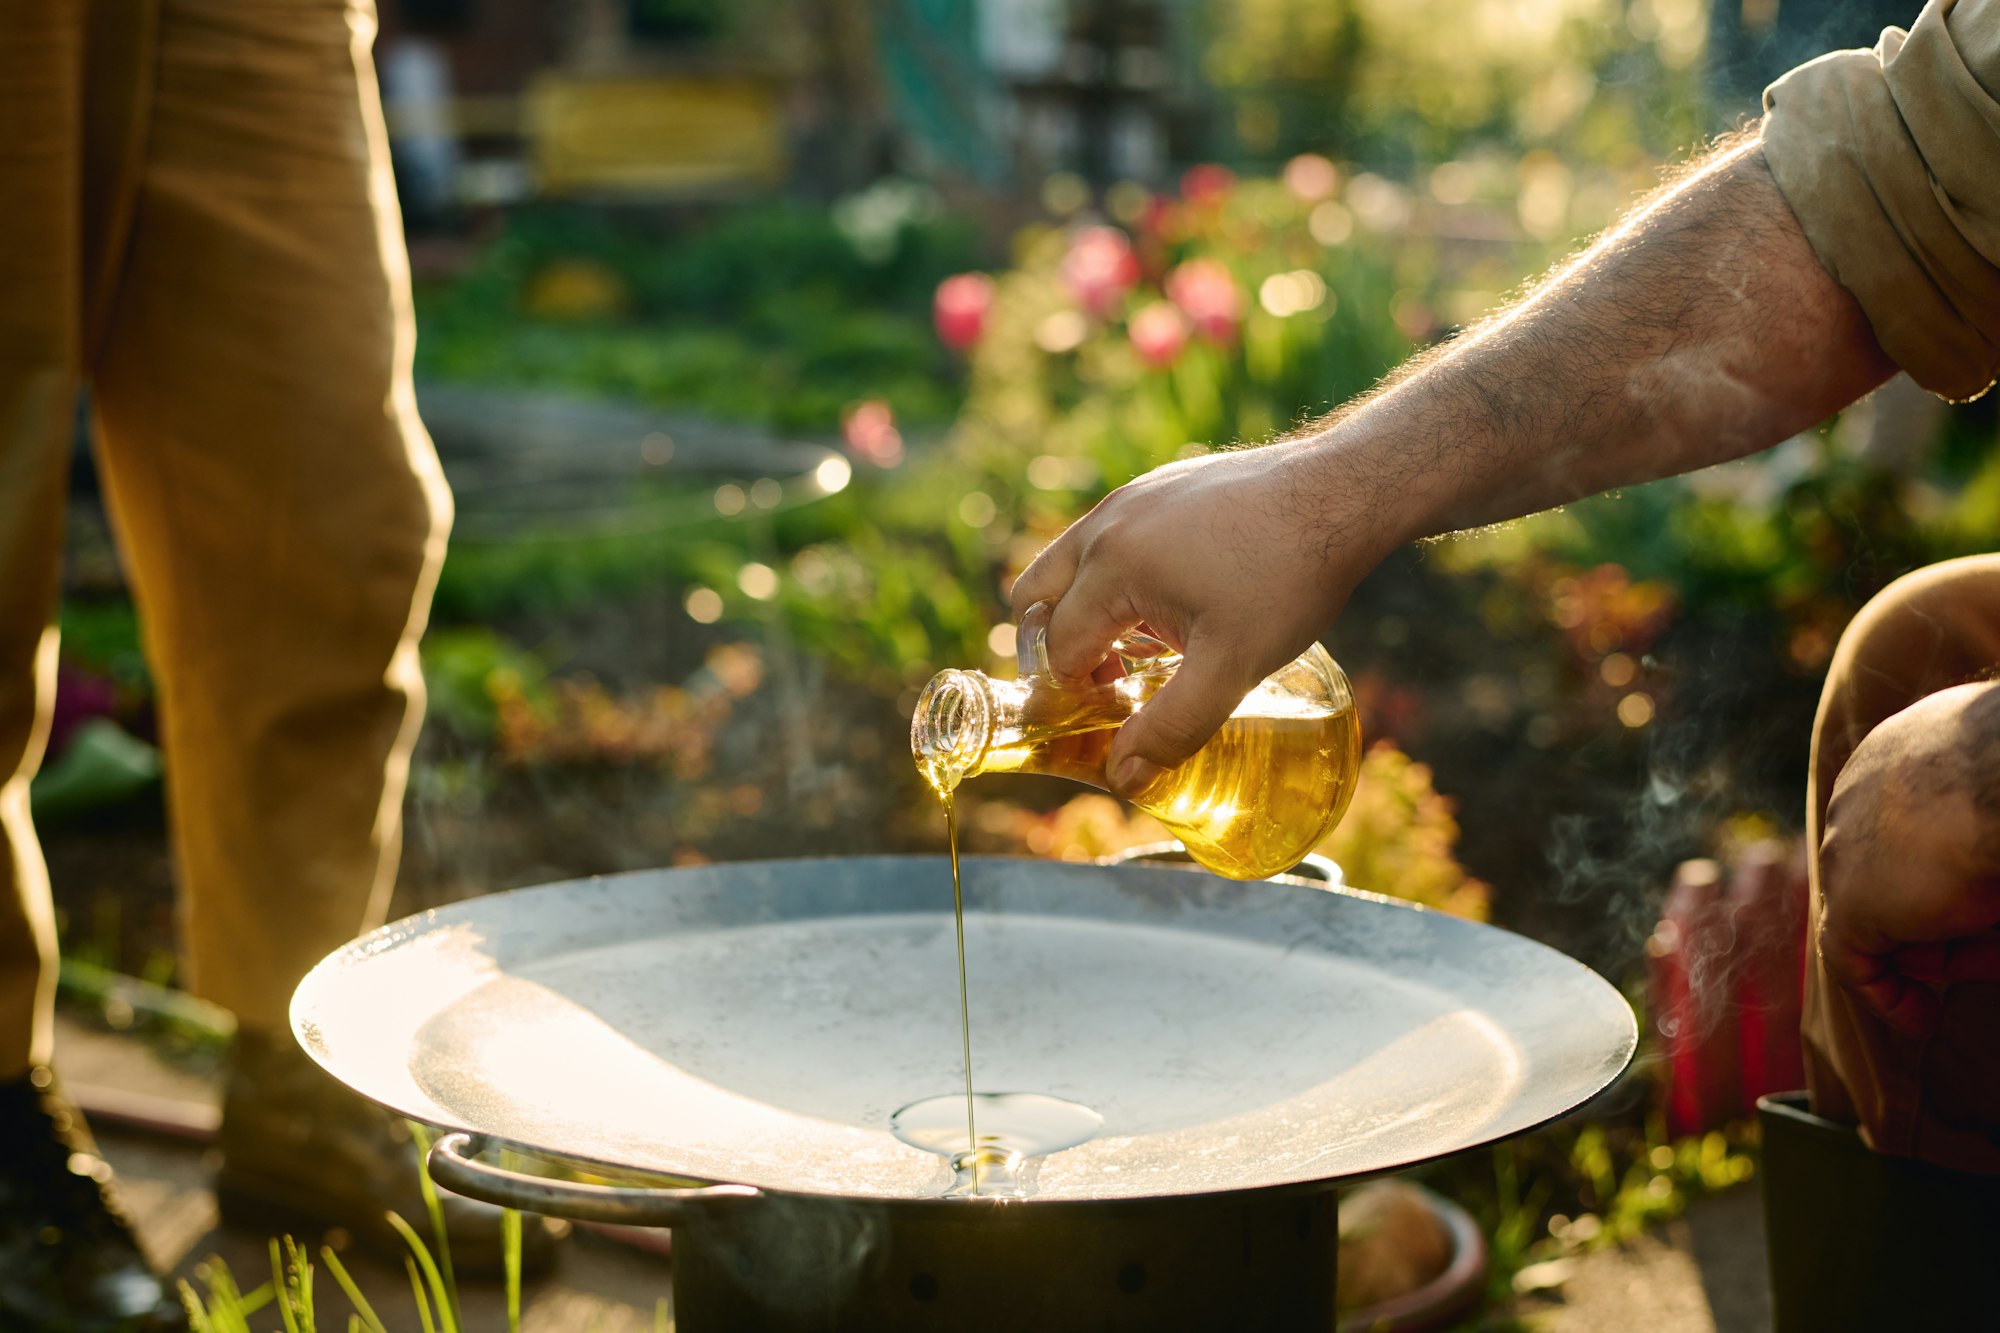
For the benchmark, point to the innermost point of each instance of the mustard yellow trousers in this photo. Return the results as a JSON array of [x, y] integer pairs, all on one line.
[[197, 220]]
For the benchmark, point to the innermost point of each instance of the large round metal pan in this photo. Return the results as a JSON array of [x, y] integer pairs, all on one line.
[[758, 1023]]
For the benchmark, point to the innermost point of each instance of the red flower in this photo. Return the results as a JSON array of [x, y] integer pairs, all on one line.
[[1207, 183], [1203, 289], [1161, 220], [1100, 268], [870, 429], [960, 307], [1159, 332]]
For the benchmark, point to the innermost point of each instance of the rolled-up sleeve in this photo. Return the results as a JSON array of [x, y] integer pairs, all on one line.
[[1891, 160]]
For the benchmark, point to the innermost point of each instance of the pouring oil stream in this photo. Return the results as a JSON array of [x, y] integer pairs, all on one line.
[[964, 1005], [1022, 1128]]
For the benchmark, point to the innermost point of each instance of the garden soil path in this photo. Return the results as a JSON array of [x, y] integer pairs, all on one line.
[[1702, 1273]]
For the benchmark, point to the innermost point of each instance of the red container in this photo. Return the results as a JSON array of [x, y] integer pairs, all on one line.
[[1686, 961], [1767, 897], [1726, 967]]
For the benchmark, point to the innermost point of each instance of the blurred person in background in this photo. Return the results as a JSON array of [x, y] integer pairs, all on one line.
[[1781, 278], [199, 223]]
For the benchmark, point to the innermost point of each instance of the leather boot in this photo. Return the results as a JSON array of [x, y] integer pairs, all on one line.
[[302, 1154], [68, 1259]]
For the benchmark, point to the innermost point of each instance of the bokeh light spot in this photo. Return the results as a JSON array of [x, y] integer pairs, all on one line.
[[1452, 183], [1330, 223], [833, 475], [1635, 709], [703, 605], [1063, 331], [977, 509]]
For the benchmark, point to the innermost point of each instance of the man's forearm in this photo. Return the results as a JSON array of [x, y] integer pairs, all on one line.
[[1701, 329]]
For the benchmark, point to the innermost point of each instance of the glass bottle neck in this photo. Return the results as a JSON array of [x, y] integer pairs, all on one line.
[[967, 722], [952, 726]]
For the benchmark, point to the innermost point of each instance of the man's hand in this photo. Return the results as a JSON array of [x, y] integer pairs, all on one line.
[[1910, 861], [1238, 559]]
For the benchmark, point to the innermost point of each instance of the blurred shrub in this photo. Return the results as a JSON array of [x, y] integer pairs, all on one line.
[[1799, 537], [484, 689], [578, 721], [773, 313], [101, 634], [468, 671], [1371, 79], [1398, 838], [1083, 828]]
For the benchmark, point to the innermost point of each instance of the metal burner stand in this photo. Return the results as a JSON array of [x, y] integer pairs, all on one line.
[[1248, 1260]]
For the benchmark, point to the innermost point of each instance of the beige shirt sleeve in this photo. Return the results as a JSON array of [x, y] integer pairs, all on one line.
[[1891, 160]]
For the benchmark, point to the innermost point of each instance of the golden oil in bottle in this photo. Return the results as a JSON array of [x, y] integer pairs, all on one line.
[[1262, 793]]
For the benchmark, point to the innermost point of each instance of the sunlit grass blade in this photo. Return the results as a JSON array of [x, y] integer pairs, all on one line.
[[510, 1254], [417, 1290], [302, 1286], [225, 1309], [660, 1324], [446, 1318], [435, 1207], [365, 1312], [198, 1321], [246, 1305], [284, 1292]]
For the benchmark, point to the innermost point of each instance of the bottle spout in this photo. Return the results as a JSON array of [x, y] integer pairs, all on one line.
[[951, 728]]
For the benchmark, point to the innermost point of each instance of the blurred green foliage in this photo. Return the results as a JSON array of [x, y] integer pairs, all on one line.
[[1803, 535], [1371, 80], [773, 313], [466, 667], [1546, 1198], [102, 635]]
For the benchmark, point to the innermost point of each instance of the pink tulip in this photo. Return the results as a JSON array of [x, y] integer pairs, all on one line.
[[1159, 331], [1161, 219], [1100, 268], [960, 307], [1207, 183], [870, 430], [1205, 292]]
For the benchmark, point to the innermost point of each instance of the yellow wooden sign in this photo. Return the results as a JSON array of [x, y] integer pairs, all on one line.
[[667, 135]]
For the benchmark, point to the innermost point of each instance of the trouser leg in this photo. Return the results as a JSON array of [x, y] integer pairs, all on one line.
[[1937, 1099], [40, 108], [281, 507]]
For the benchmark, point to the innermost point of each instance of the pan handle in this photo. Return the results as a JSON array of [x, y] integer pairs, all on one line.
[[454, 1163], [1311, 866]]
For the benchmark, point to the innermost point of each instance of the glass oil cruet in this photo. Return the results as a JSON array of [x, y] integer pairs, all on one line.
[[1251, 803]]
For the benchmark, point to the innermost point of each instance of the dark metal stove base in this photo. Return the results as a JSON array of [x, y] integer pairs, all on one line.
[[1209, 1263]]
